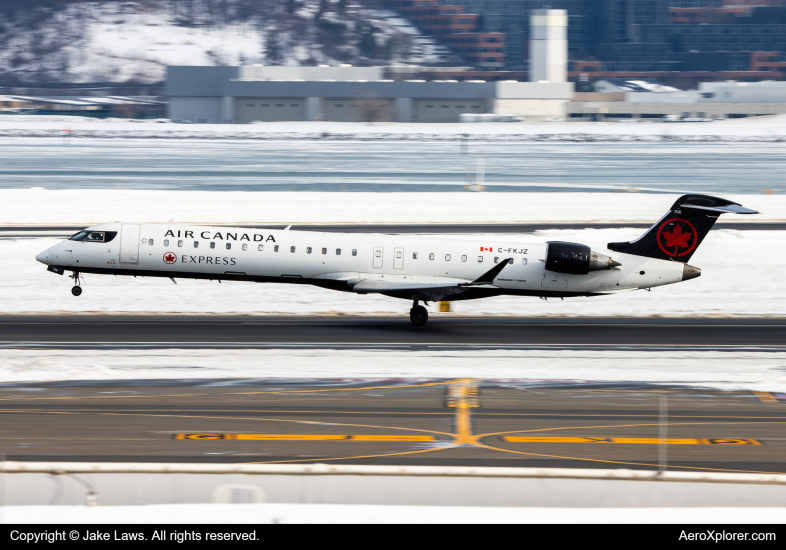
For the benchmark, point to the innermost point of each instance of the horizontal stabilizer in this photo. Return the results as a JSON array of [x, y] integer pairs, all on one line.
[[729, 209]]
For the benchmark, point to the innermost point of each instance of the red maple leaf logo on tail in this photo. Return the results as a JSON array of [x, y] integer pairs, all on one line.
[[676, 237]]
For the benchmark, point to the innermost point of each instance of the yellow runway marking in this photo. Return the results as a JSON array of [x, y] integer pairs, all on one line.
[[766, 397], [463, 396], [629, 440], [304, 437]]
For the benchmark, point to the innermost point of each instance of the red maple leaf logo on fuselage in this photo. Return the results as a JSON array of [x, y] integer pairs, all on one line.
[[676, 237]]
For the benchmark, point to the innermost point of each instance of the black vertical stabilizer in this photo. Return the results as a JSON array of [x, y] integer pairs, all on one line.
[[678, 234]]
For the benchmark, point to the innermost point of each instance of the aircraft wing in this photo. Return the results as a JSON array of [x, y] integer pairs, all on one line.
[[430, 291]]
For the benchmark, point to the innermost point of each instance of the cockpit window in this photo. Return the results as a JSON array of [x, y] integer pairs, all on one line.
[[94, 236]]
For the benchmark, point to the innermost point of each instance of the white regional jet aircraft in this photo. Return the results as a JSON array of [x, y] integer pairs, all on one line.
[[417, 268]]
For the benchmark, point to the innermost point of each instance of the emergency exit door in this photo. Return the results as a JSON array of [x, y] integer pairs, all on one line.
[[129, 244], [377, 262], [398, 258]]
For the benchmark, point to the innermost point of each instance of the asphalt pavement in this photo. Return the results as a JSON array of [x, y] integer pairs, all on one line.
[[447, 422], [336, 332]]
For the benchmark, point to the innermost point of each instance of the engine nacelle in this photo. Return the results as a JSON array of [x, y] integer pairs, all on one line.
[[574, 258]]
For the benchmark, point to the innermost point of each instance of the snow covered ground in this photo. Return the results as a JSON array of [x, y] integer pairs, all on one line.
[[338, 513], [37, 206], [122, 41], [741, 370], [754, 129]]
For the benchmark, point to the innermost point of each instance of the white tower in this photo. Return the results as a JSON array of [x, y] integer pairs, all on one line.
[[548, 46]]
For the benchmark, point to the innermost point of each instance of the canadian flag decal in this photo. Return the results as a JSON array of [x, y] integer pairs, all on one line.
[[483, 249]]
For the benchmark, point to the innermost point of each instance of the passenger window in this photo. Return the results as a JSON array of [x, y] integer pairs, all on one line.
[[431, 256], [180, 244], [523, 261], [245, 246], [398, 254], [414, 255], [324, 251], [166, 242], [212, 245], [354, 251], [229, 245], [261, 247], [447, 257], [378, 253], [308, 250], [338, 252], [196, 244], [150, 242], [292, 249], [480, 259], [496, 259], [510, 261], [275, 248], [463, 258]]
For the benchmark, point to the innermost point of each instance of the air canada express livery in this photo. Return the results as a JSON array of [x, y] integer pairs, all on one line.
[[416, 268]]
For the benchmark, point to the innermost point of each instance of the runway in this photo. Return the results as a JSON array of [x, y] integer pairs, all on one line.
[[340, 332], [451, 422]]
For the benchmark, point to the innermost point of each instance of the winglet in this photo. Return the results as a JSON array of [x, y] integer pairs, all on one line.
[[488, 277]]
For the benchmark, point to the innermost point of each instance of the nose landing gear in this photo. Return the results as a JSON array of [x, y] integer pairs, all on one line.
[[418, 315], [76, 290]]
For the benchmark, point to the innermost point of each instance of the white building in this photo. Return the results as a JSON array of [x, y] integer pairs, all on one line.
[[548, 46]]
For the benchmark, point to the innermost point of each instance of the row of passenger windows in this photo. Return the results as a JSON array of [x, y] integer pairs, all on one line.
[[448, 256], [261, 247], [309, 250]]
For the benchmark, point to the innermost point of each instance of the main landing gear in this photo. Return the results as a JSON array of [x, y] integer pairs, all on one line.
[[418, 314], [76, 290]]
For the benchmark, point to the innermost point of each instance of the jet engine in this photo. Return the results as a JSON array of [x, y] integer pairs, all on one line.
[[576, 259]]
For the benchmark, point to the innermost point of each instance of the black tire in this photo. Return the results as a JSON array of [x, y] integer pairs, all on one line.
[[418, 316], [76, 291]]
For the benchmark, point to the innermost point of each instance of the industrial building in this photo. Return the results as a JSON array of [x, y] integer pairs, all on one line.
[[713, 100], [241, 95]]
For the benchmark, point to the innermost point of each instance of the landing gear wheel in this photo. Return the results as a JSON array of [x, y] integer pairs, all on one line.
[[418, 315], [76, 291]]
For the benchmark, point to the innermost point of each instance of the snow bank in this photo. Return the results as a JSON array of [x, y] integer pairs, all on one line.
[[345, 513], [753, 129], [37, 206], [742, 370]]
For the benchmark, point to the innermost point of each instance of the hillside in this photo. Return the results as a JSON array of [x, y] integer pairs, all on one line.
[[75, 41]]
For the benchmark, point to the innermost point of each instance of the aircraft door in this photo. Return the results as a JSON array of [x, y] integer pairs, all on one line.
[[398, 258], [129, 244], [378, 251]]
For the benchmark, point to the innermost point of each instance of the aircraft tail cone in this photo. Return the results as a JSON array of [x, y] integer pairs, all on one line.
[[612, 263], [690, 272]]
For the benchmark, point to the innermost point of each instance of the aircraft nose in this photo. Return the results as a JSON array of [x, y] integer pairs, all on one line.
[[43, 257]]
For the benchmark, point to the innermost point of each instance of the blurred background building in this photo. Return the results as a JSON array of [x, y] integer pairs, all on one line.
[[242, 95]]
